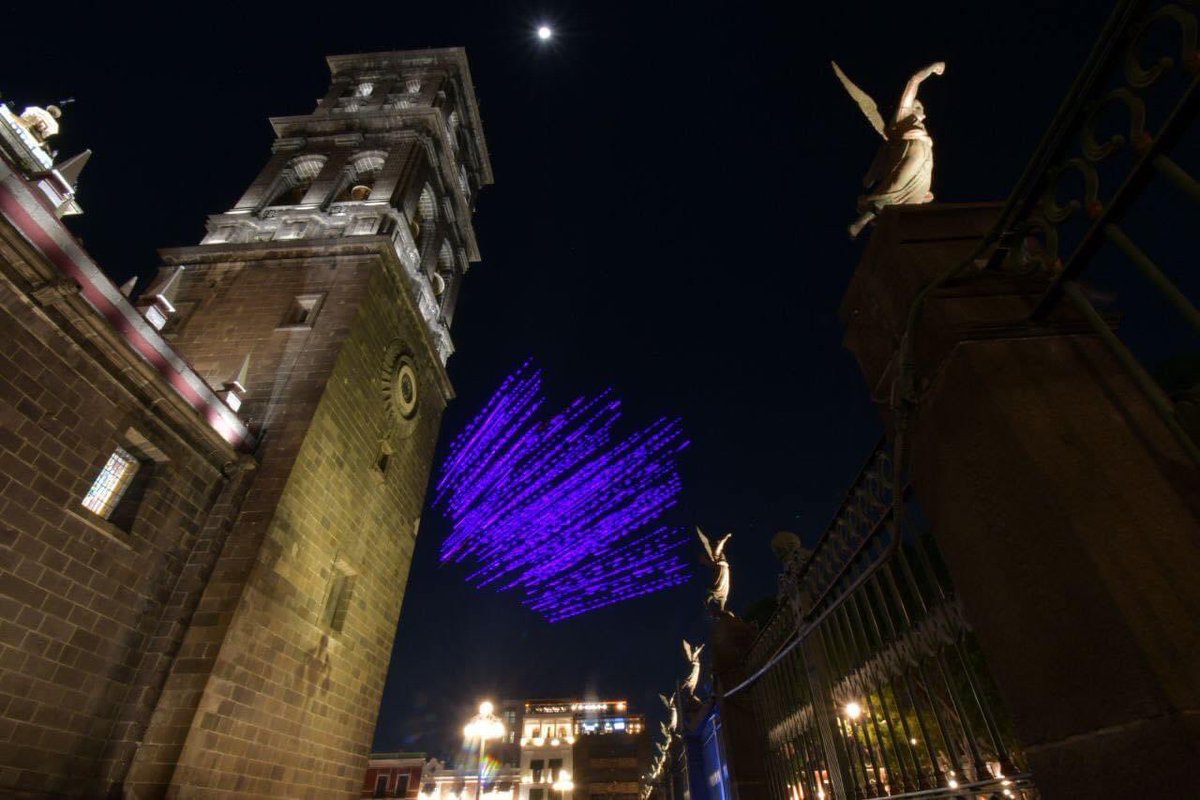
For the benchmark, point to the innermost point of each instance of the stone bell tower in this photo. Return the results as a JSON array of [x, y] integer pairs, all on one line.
[[321, 302]]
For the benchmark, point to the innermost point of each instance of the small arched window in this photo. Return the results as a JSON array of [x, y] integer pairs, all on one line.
[[423, 215], [361, 174], [295, 179], [444, 274]]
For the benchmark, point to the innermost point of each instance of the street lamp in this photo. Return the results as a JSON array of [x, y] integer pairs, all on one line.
[[483, 726], [563, 784]]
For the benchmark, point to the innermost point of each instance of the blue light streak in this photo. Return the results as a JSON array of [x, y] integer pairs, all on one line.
[[553, 505]]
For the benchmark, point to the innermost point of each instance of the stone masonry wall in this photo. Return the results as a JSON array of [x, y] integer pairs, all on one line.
[[266, 699], [80, 597]]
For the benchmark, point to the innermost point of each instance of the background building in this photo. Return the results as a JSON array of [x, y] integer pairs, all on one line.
[[394, 775], [440, 783], [212, 492], [600, 746]]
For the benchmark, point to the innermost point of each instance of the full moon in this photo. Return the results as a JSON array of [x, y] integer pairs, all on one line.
[[544, 32]]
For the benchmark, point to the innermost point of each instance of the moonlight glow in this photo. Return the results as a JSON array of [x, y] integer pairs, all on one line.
[[551, 504], [544, 32]]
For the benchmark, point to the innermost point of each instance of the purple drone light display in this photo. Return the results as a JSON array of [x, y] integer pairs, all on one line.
[[554, 505]]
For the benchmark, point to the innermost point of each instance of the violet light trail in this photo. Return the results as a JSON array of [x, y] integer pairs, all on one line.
[[554, 505]]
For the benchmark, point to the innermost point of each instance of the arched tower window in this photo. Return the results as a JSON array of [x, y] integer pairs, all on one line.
[[361, 174], [443, 275], [295, 179], [423, 216]]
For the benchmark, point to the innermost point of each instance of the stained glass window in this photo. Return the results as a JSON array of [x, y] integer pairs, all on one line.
[[111, 483]]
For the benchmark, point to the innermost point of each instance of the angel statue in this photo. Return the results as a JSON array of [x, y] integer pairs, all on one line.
[[718, 593], [693, 656], [672, 712], [902, 171]]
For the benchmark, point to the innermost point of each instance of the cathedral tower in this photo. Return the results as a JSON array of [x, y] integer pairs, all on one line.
[[320, 304]]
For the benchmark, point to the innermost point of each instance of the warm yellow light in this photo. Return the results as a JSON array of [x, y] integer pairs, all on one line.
[[485, 707], [953, 784], [912, 741], [853, 710]]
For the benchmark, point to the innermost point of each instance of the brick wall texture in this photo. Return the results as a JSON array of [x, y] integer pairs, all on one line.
[[265, 697], [82, 601], [191, 654], [227, 630]]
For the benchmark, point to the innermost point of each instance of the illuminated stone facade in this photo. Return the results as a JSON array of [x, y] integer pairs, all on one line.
[[229, 633], [596, 748]]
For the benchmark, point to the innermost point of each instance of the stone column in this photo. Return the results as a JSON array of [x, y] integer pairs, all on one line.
[[1066, 512]]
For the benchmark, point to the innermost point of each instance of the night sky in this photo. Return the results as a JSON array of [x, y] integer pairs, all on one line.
[[673, 182]]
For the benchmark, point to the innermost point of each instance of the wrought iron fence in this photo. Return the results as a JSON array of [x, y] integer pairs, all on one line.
[[866, 681], [1107, 206]]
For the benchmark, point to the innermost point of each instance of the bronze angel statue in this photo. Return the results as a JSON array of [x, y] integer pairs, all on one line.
[[718, 593], [902, 171]]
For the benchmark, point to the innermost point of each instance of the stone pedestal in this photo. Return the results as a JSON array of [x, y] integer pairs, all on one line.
[[731, 640], [1066, 512]]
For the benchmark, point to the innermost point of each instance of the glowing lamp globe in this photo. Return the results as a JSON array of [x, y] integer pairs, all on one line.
[[544, 32]]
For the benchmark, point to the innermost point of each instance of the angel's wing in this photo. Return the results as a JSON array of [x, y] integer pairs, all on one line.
[[865, 102], [665, 700], [707, 547], [687, 650], [719, 550]]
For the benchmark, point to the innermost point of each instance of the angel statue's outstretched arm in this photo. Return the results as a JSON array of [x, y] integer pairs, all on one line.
[[910, 89]]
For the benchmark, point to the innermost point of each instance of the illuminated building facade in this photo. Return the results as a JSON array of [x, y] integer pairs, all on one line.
[[440, 783], [567, 743], [394, 775], [212, 491]]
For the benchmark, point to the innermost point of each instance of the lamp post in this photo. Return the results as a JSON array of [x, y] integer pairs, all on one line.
[[564, 784], [483, 726]]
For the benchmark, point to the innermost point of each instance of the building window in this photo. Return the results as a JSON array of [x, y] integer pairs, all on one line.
[[401, 786], [110, 485], [536, 767], [295, 179], [360, 176], [555, 768], [302, 313], [341, 590], [381, 786], [537, 794]]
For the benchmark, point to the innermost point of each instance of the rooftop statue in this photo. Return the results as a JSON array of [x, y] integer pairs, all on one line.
[[902, 171], [718, 593], [42, 123]]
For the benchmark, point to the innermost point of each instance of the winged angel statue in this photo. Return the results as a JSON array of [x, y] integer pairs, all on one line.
[[672, 712], [903, 168], [718, 593], [692, 654]]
